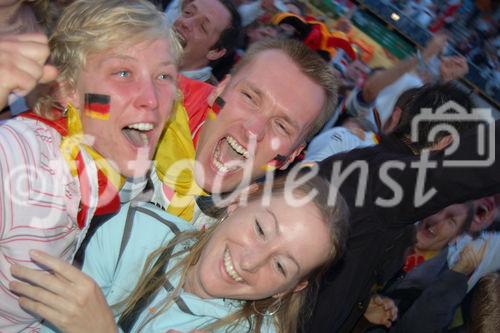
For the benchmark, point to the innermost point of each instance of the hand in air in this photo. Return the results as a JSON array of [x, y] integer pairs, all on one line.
[[22, 64]]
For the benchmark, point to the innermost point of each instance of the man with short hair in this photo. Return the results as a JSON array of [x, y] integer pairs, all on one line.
[[261, 116], [207, 30]]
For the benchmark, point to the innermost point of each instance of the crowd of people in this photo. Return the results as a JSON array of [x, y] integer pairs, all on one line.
[[204, 166], [474, 26]]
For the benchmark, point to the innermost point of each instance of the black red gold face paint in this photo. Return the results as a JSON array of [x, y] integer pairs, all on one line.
[[280, 159], [97, 106], [215, 109], [219, 104], [277, 162]]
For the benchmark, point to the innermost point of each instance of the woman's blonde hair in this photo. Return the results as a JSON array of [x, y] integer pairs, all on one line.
[[286, 319], [91, 26]]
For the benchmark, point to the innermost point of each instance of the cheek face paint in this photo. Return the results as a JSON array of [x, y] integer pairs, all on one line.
[[276, 162], [280, 159], [215, 109], [97, 106], [219, 104]]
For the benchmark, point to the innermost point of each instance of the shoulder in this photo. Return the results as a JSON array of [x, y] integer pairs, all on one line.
[[146, 222], [29, 133]]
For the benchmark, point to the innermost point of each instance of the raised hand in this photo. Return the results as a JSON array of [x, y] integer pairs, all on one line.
[[22, 64], [453, 68]]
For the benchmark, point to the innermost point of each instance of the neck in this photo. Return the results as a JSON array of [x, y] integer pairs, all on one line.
[[419, 251], [192, 65]]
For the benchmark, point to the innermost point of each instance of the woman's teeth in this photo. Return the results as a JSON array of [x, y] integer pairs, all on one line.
[[228, 265]]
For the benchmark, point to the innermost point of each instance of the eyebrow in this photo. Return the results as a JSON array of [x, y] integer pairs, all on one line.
[[262, 95], [129, 58], [278, 231]]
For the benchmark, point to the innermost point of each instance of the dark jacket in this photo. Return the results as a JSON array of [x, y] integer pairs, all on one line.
[[427, 297], [380, 235]]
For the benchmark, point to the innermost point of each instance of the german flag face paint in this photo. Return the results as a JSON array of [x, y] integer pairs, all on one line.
[[276, 163], [97, 106]]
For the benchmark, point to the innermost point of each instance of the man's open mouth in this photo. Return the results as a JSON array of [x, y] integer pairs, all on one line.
[[429, 230], [180, 37], [229, 155]]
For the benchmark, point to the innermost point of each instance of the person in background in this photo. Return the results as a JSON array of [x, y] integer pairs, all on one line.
[[207, 30]]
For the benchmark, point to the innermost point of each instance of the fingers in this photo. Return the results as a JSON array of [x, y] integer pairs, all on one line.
[[49, 74], [39, 309], [378, 300], [58, 266], [435, 46], [22, 61], [41, 278], [37, 51], [37, 294], [29, 37]]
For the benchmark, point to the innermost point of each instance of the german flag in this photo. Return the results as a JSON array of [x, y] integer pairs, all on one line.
[[97, 106]]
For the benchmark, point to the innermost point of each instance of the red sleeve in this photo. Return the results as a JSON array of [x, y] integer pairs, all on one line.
[[195, 95]]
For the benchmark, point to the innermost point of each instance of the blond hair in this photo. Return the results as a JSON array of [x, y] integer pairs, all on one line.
[[310, 64], [485, 305], [91, 26], [286, 319]]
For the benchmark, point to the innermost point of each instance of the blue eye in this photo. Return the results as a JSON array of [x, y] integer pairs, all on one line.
[[165, 77], [123, 73]]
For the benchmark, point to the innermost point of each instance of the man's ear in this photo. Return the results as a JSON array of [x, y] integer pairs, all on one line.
[[484, 213], [215, 54], [443, 142], [293, 155], [218, 90]]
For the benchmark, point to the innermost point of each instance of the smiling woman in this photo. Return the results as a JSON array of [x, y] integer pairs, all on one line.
[[88, 144], [250, 272]]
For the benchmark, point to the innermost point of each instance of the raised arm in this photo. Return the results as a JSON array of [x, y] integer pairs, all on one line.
[[378, 81]]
